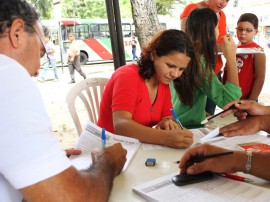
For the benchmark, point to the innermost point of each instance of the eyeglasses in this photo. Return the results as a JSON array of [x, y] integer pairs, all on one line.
[[248, 30], [44, 49]]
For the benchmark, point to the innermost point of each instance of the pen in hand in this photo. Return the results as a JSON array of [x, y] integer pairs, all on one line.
[[176, 118], [103, 137], [215, 115], [196, 159]]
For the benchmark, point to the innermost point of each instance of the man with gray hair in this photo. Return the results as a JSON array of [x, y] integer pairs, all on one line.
[[32, 165]]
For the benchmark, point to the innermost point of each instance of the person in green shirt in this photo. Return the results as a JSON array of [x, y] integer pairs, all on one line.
[[189, 101]]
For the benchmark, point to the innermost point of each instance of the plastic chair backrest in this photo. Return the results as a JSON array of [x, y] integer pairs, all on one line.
[[89, 92]]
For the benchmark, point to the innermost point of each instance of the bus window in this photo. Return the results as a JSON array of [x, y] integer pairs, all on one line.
[[65, 30], [133, 33], [54, 36], [126, 28], [70, 29], [82, 31], [104, 30], [163, 25], [94, 31]]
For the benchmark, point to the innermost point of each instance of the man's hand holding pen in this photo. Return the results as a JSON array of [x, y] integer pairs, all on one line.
[[245, 108], [114, 156], [250, 114], [218, 164]]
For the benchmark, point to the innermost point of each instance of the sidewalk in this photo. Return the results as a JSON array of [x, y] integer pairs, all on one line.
[[54, 97]]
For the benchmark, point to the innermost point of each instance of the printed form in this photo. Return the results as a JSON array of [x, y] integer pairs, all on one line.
[[91, 139], [200, 136], [219, 189]]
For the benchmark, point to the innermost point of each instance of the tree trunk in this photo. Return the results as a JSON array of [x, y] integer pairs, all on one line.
[[145, 18]]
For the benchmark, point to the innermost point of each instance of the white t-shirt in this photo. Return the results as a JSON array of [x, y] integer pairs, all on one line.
[[29, 153], [73, 48], [49, 47]]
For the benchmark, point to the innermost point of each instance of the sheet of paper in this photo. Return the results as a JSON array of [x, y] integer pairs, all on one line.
[[204, 135], [200, 135], [146, 146], [246, 51], [232, 142], [218, 189], [91, 139], [210, 135]]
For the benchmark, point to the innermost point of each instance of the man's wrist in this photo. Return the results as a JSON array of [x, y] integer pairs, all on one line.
[[241, 159]]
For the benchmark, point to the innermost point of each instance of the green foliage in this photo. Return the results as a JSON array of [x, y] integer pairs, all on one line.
[[165, 7], [44, 7], [92, 8], [97, 8], [83, 9]]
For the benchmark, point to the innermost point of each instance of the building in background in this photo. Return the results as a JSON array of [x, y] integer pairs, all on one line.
[[258, 7]]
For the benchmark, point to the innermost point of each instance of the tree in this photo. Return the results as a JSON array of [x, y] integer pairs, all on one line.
[[91, 9], [83, 9], [44, 7], [163, 7], [145, 19]]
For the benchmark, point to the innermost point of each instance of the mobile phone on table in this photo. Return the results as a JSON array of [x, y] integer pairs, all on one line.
[[185, 179]]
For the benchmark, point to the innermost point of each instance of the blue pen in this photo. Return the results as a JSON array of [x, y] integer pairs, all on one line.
[[103, 137], [176, 118]]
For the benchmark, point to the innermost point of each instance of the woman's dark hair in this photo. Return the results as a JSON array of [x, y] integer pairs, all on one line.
[[249, 17], [200, 27], [165, 43], [14, 9]]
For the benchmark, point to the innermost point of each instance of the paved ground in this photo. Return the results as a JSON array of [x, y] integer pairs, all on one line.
[[54, 96]]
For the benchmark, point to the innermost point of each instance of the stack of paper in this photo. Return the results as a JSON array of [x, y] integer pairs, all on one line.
[[234, 143], [91, 139], [218, 189]]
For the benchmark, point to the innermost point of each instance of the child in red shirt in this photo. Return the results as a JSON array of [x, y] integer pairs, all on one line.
[[251, 67]]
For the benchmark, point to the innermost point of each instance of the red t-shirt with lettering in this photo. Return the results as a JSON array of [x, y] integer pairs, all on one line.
[[246, 70]]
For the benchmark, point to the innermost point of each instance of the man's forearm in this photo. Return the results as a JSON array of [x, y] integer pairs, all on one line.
[[101, 180], [72, 185]]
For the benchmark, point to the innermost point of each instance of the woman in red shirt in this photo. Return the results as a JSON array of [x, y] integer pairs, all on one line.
[[137, 96]]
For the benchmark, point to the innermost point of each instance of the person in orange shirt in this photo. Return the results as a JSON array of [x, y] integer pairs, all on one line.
[[217, 6]]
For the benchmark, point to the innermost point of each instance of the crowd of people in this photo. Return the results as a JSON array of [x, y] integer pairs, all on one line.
[[177, 70]]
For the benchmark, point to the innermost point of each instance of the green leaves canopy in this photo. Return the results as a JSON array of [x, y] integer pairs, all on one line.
[[95, 8]]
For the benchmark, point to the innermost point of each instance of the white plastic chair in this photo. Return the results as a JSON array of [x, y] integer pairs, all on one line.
[[90, 92]]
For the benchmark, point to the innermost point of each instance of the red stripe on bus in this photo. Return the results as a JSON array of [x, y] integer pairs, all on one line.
[[69, 22], [98, 49]]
